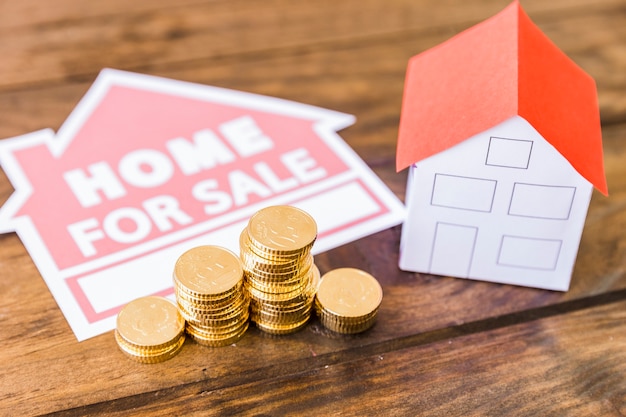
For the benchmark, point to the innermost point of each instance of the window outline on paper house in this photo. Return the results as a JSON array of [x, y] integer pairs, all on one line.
[[492, 150], [532, 239], [546, 205], [440, 204]]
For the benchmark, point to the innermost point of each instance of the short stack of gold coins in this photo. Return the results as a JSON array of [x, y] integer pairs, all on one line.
[[347, 300], [150, 329], [208, 285], [280, 275]]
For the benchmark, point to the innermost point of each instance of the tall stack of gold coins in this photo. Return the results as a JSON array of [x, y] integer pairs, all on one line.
[[348, 300], [150, 329], [208, 285], [280, 275]]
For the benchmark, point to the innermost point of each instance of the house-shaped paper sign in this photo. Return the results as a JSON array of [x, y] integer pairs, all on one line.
[[145, 168], [501, 131]]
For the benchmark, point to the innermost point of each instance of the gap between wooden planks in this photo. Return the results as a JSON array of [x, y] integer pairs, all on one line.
[[164, 401]]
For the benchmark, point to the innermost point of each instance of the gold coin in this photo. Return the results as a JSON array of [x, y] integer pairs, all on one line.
[[269, 278], [276, 271], [182, 292], [274, 258], [217, 332], [208, 270], [349, 292], [344, 321], [146, 351], [216, 329], [208, 305], [288, 295], [339, 327], [281, 309], [217, 341], [280, 329], [278, 306], [273, 270], [255, 262], [281, 317], [256, 249], [291, 287], [150, 322], [215, 318], [204, 307], [151, 357], [201, 316], [282, 229], [276, 298]]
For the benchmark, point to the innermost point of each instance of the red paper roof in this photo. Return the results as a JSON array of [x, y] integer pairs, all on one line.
[[502, 67]]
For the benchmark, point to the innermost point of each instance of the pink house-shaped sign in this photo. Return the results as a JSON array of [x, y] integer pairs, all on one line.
[[501, 134]]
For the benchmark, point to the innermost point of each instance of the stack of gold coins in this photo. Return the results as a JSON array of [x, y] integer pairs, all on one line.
[[150, 329], [208, 284], [347, 300], [280, 275]]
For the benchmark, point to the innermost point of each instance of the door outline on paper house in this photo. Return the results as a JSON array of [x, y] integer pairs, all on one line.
[[456, 240]]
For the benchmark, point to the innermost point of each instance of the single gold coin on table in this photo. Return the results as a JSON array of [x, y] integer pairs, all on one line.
[[282, 229], [208, 270], [347, 300], [150, 329]]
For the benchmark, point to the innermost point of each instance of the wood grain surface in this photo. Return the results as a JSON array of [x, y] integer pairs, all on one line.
[[441, 346]]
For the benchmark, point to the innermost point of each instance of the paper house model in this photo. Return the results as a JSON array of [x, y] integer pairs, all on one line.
[[501, 132]]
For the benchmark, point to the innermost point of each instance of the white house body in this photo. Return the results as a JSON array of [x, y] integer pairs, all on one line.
[[502, 206]]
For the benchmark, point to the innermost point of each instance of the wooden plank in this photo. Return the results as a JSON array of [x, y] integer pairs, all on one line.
[[81, 46], [34, 13], [571, 364], [20, 14]]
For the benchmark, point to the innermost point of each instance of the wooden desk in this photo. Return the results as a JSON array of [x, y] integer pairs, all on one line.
[[442, 346]]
